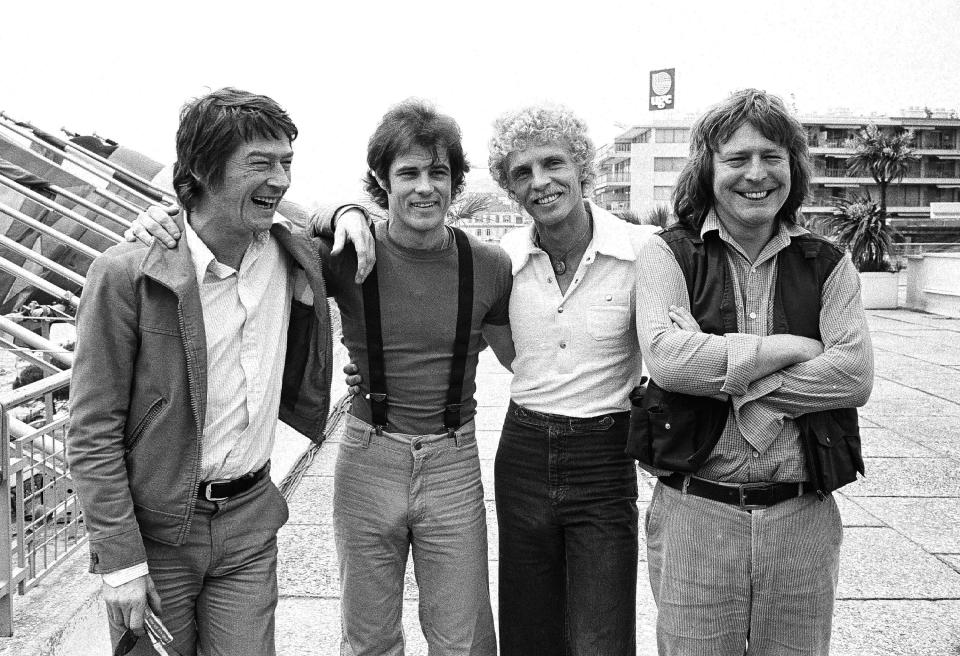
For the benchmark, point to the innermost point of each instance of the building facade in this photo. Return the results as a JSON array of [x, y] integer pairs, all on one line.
[[501, 216], [638, 171]]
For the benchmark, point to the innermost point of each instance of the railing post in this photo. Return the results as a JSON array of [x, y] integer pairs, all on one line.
[[6, 566]]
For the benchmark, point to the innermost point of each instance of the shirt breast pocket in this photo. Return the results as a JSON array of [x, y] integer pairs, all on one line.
[[608, 315]]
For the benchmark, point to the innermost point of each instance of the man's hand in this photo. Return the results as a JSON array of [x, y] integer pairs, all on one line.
[[126, 603], [683, 320], [351, 226], [353, 377], [154, 222]]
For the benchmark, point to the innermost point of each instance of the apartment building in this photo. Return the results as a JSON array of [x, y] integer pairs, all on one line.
[[501, 216], [638, 170]]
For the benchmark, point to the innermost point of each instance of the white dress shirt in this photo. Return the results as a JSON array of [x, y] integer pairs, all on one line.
[[245, 317]]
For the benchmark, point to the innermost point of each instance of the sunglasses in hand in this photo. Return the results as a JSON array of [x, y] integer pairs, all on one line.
[[159, 637]]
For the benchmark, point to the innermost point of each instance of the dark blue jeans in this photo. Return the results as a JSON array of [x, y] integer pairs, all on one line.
[[567, 514]]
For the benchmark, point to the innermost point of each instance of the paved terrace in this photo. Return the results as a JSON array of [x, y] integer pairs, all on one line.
[[899, 589]]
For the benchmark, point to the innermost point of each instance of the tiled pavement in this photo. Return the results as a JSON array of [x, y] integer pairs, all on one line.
[[899, 589]]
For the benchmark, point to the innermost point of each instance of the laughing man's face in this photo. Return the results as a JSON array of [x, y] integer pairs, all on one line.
[[256, 177], [751, 180]]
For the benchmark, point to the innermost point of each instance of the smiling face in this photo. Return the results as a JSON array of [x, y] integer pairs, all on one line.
[[751, 181], [255, 178], [546, 181], [418, 194]]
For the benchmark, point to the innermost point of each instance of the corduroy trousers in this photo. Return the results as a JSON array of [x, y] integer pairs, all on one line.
[[729, 582]]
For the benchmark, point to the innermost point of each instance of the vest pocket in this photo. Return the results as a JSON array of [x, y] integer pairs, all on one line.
[[831, 441], [673, 431]]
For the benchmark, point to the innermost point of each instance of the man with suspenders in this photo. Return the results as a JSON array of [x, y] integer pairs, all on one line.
[[408, 474]]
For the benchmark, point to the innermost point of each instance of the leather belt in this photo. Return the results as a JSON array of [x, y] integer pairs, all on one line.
[[222, 490], [748, 496]]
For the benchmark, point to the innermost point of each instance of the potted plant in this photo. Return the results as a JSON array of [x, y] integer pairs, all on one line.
[[858, 226]]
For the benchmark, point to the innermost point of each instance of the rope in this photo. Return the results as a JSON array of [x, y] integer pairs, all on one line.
[[292, 480]]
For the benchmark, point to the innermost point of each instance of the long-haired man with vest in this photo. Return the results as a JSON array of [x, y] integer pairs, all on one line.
[[758, 351]]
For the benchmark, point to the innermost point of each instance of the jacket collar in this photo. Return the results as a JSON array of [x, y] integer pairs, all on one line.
[[180, 267], [611, 237]]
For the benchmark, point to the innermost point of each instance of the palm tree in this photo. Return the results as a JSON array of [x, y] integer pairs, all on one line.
[[883, 154], [467, 208], [659, 216], [857, 225], [627, 215]]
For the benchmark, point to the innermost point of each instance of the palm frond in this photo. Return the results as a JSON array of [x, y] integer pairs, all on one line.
[[467, 208], [857, 226]]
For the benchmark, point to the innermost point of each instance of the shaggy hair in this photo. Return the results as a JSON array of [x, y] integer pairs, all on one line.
[[693, 194], [536, 126], [212, 127], [413, 122]]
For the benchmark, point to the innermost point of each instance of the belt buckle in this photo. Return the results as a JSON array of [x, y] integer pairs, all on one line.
[[742, 490], [208, 486]]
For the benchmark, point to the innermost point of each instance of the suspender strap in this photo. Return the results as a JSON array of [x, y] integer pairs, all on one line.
[[461, 343], [451, 413], [378, 377]]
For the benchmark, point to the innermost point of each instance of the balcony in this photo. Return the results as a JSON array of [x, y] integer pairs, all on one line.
[[941, 173], [615, 152], [612, 180], [829, 143], [603, 199]]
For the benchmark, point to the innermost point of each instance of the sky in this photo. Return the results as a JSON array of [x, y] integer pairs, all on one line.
[[123, 70]]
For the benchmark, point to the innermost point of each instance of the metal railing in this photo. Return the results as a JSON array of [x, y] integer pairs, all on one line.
[[612, 178], [919, 248], [40, 525]]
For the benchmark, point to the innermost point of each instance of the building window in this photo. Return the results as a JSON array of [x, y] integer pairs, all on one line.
[[673, 135], [911, 196], [662, 194], [670, 164]]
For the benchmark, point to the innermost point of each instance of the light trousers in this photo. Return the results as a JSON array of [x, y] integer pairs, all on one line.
[[219, 589], [729, 582], [393, 493]]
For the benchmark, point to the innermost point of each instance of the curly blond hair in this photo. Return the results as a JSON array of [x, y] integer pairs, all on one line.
[[536, 126]]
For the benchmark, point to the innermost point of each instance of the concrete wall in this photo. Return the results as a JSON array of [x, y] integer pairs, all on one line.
[[933, 283]]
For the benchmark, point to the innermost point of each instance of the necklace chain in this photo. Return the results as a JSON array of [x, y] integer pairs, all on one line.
[[559, 263]]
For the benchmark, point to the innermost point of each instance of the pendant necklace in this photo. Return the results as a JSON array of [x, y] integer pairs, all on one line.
[[559, 263]]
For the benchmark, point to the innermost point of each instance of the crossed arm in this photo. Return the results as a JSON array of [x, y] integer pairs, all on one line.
[[768, 378]]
